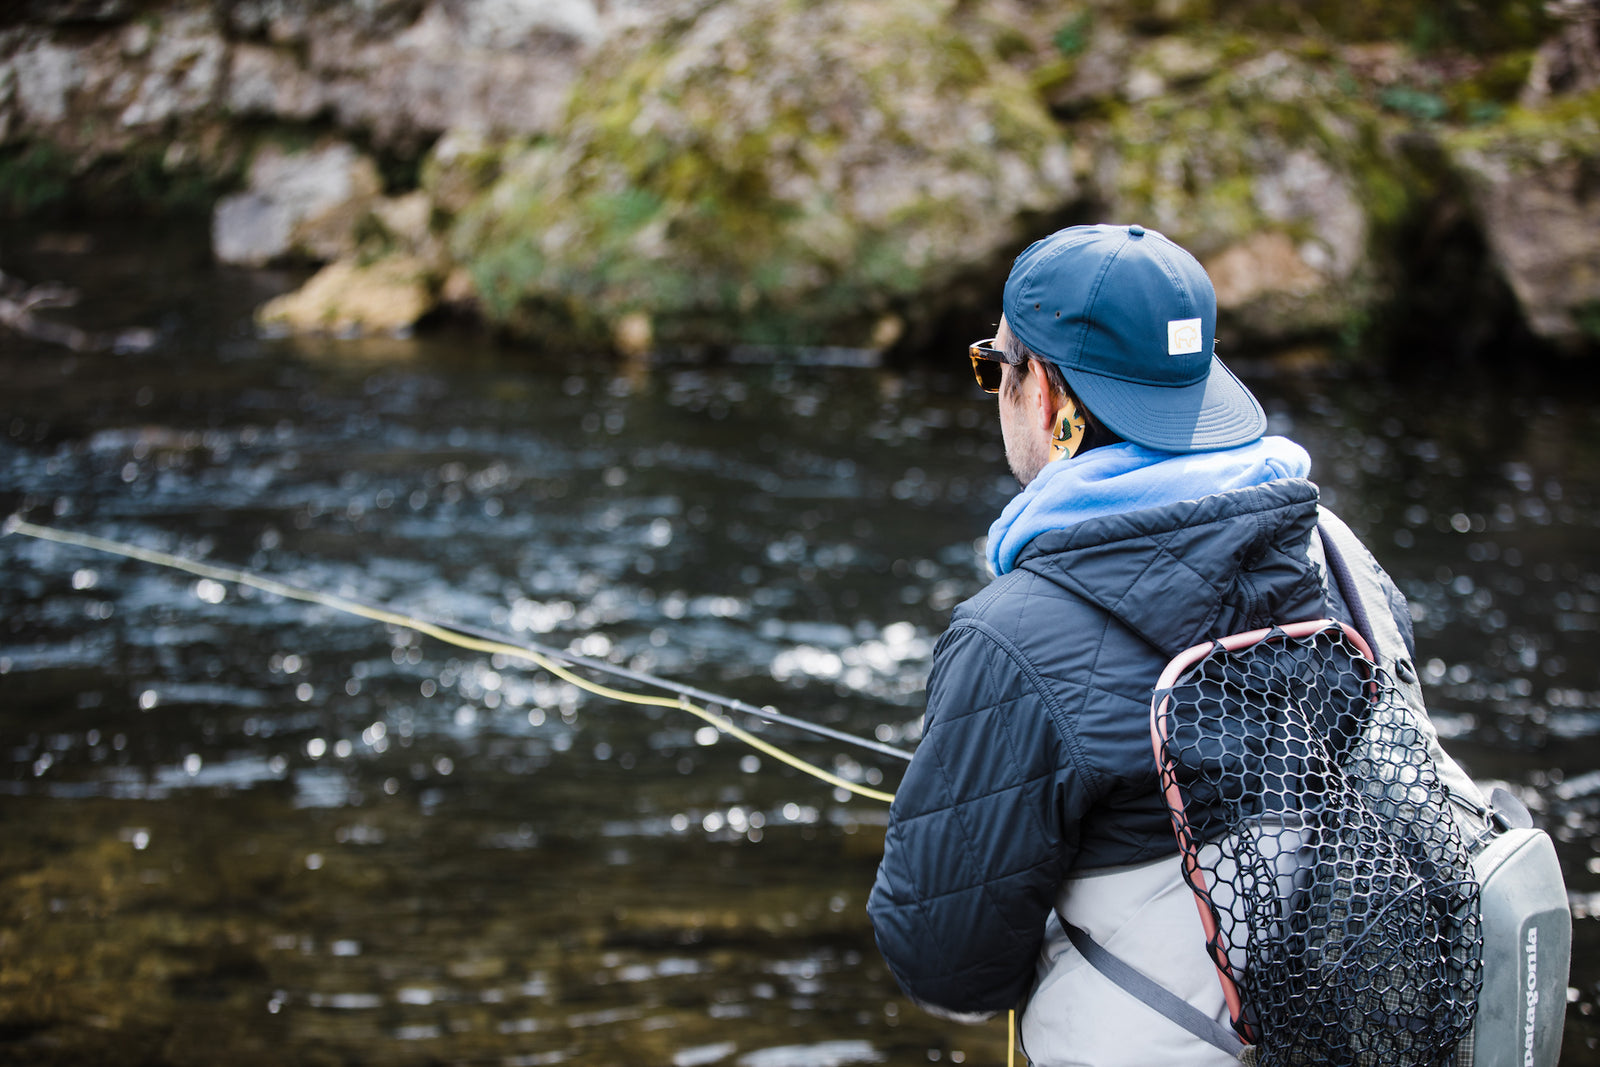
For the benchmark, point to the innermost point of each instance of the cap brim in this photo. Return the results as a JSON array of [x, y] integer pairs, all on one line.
[[1215, 413]]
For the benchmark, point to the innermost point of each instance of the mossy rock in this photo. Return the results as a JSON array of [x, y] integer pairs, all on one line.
[[766, 171], [39, 176], [1531, 176], [1566, 127], [1275, 176], [351, 298], [460, 166]]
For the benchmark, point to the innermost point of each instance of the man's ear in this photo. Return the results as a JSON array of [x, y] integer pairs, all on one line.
[[1048, 402]]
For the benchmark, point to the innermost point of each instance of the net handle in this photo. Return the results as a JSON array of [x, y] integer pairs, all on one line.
[[1169, 781], [1233, 642]]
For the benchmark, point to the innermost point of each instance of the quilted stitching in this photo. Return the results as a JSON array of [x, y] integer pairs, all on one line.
[[1035, 756]]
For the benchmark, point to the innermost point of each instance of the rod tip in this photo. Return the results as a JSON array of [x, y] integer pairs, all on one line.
[[12, 524]]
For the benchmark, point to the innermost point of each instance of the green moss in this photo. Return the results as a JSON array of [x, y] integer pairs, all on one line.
[[454, 175], [1165, 16], [1506, 76], [1009, 43], [1388, 195], [1477, 26], [1588, 320], [1235, 48], [719, 186], [33, 177], [1199, 156], [1073, 36], [41, 177], [709, 175], [1480, 98], [152, 183], [1428, 31], [1226, 163], [1052, 75], [1415, 103], [1568, 126]]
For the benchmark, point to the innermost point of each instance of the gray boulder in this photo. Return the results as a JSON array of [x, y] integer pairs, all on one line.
[[301, 203], [1531, 185], [497, 66]]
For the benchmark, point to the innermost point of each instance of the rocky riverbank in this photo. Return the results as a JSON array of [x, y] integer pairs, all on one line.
[[859, 172]]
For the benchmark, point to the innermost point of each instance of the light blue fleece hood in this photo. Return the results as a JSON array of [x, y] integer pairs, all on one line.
[[1127, 477]]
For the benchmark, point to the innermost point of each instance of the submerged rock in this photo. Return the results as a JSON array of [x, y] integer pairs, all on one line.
[[777, 171]]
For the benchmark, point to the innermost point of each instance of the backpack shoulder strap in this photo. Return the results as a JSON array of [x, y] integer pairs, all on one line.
[[1157, 996], [1354, 601]]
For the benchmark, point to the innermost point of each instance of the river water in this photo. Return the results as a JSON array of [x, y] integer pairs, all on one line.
[[244, 829]]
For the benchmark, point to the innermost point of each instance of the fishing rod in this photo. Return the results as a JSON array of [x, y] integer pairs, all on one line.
[[474, 639], [767, 713]]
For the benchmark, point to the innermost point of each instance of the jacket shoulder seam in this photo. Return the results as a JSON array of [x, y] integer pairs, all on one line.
[[1037, 681]]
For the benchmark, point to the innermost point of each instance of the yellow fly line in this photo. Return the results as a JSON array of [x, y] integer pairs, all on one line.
[[434, 630], [459, 640]]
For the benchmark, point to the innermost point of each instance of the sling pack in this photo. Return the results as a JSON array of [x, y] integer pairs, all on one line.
[[1363, 905]]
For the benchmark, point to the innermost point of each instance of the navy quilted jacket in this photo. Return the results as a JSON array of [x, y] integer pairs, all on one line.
[[1035, 758]]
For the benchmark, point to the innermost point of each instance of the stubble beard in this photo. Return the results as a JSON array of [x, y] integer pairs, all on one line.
[[1026, 459]]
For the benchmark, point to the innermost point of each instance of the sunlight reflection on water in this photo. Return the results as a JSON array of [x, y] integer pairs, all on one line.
[[367, 842]]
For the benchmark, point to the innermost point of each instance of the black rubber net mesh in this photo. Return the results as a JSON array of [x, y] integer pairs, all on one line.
[[1321, 843]]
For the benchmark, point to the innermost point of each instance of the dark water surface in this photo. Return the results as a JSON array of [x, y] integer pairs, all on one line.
[[241, 829]]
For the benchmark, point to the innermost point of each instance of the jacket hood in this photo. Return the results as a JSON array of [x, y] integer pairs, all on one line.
[[1127, 477], [1193, 570]]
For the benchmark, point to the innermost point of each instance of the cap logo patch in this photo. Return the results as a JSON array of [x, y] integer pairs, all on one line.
[[1183, 337]]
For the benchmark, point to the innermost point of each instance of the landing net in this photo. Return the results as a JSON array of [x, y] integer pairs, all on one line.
[[1333, 884]]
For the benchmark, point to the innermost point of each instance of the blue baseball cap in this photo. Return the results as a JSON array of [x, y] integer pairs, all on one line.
[[1131, 320]]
